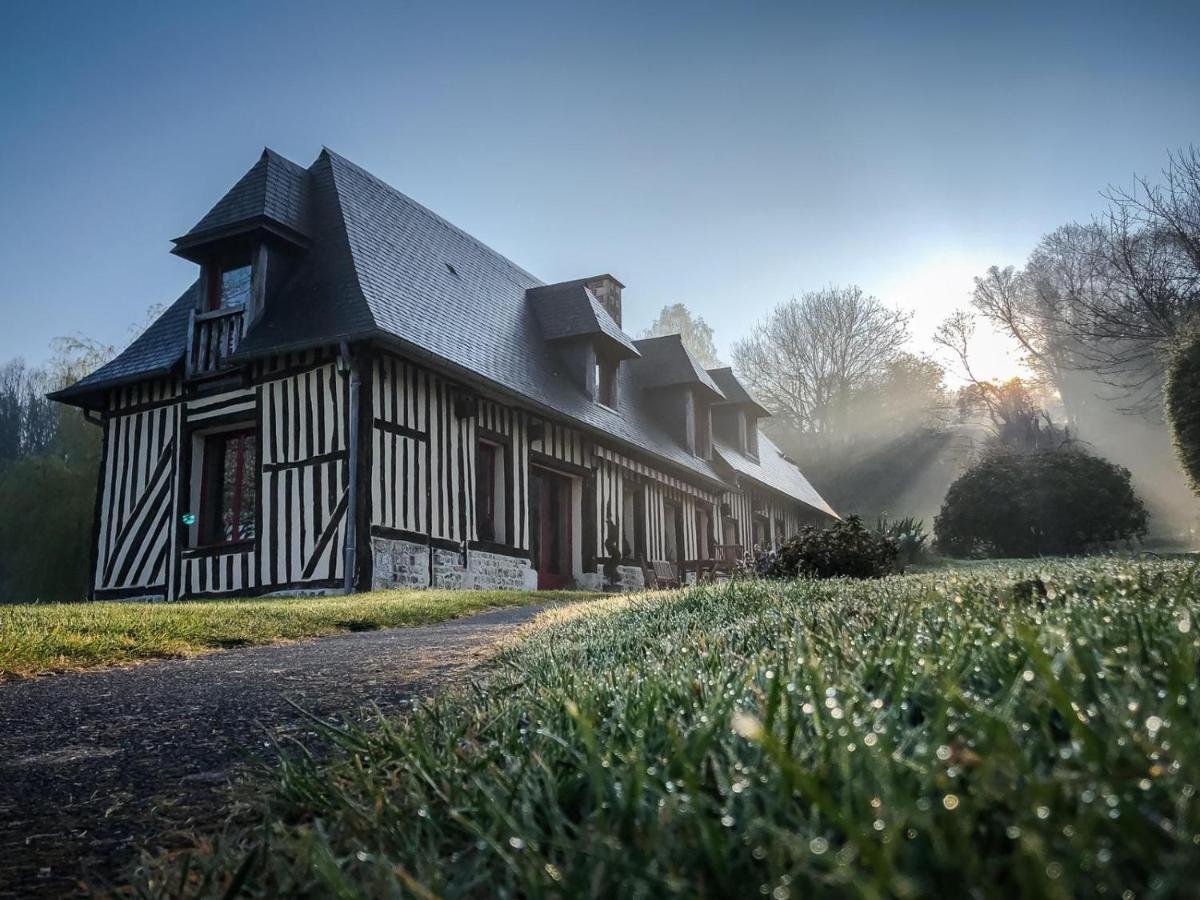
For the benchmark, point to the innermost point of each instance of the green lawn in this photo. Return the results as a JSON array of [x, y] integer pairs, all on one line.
[[48, 637], [1018, 729]]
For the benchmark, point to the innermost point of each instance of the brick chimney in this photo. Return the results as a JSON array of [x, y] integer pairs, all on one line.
[[608, 291]]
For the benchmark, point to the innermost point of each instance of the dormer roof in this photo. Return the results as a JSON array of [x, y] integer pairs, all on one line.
[[666, 362], [568, 309], [735, 392], [273, 196]]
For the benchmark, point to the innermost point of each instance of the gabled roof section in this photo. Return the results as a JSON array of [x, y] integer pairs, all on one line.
[[666, 362], [735, 392], [773, 470], [273, 193], [568, 309], [156, 352]]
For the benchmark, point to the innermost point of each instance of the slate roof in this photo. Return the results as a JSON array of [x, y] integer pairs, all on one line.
[[274, 190], [569, 309], [382, 267], [735, 392], [772, 470], [667, 363], [156, 351]]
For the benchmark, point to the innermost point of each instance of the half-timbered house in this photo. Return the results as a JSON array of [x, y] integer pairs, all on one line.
[[354, 393]]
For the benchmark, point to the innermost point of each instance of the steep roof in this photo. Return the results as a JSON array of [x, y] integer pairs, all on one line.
[[274, 191], [735, 392], [569, 309], [382, 267], [666, 362], [156, 351], [772, 470]]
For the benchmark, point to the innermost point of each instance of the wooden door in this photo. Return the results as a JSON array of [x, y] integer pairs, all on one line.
[[550, 506]]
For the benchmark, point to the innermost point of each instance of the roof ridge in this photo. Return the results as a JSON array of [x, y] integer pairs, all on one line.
[[276, 156], [662, 337], [429, 213]]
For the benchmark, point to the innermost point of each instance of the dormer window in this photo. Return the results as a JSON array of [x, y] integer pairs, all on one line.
[[229, 286], [703, 432], [606, 383], [752, 436]]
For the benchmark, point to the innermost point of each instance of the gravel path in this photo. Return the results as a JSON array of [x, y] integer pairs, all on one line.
[[96, 765]]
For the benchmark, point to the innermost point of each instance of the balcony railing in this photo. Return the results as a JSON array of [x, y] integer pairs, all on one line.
[[213, 338]]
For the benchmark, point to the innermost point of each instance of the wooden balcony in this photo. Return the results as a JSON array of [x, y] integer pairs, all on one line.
[[212, 338]]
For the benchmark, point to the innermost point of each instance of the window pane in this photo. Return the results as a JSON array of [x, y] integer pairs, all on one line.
[[230, 487], [249, 488], [235, 287], [485, 486], [212, 490], [229, 484], [606, 384]]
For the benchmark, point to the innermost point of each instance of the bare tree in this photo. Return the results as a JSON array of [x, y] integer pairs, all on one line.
[[697, 334], [811, 353], [1016, 408], [1111, 298]]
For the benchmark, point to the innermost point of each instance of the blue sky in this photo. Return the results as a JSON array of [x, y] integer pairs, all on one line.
[[723, 155]]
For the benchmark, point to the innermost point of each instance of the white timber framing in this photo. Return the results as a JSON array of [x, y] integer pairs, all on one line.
[[419, 440]]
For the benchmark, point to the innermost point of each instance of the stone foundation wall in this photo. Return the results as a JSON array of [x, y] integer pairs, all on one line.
[[404, 564], [590, 581], [399, 564], [497, 572], [449, 571]]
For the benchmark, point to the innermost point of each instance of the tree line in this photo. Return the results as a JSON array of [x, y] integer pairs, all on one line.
[[49, 464]]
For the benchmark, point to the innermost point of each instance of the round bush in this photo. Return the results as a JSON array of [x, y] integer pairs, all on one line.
[[844, 549], [1053, 502], [1182, 403]]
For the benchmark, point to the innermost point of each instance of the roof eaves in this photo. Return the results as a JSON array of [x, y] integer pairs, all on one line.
[[261, 221], [84, 388]]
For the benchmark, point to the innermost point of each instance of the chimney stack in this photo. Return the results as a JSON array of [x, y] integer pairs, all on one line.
[[608, 291]]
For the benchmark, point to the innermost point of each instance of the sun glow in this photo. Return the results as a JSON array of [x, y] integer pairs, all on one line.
[[933, 289]]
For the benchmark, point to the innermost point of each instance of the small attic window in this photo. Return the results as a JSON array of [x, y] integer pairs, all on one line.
[[451, 269], [229, 285], [703, 435], [606, 383]]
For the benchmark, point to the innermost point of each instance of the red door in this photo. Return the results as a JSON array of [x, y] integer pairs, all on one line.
[[550, 506]]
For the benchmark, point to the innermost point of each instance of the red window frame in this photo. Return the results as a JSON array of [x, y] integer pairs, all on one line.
[[216, 282], [211, 531]]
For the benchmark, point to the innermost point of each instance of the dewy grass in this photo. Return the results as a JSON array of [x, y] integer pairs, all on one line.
[[1007, 730], [57, 636]]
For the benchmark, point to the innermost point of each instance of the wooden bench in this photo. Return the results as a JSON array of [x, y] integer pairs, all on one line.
[[659, 573], [724, 562]]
